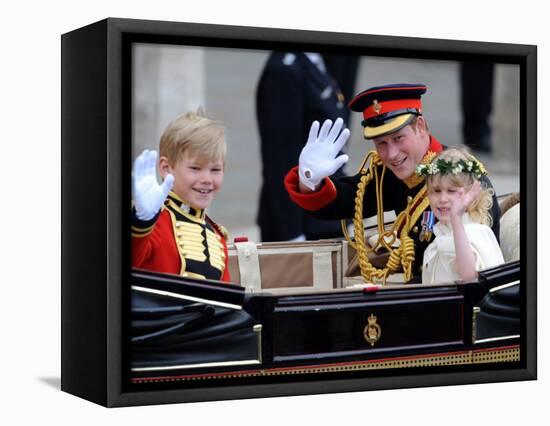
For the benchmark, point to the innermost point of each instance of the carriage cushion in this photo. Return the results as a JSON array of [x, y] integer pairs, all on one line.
[[509, 234]]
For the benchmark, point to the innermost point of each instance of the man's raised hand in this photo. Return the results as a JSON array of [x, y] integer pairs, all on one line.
[[319, 157]]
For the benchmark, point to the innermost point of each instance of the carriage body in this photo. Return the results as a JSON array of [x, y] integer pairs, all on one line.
[[298, 309]]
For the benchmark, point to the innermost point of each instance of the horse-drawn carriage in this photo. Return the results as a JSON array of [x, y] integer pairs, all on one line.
[[303, 308]]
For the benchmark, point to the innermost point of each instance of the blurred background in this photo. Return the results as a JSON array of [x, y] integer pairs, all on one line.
[[170, 80]]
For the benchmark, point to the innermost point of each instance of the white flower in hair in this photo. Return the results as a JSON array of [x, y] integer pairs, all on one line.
[[469, 165], [432, 169], [457, 169]]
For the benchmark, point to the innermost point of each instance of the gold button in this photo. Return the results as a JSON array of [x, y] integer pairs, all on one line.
[[409, 199], [415, 229], [183, 253]]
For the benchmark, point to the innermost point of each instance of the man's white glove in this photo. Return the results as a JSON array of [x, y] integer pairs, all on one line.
[[318, 158], [148, 195]]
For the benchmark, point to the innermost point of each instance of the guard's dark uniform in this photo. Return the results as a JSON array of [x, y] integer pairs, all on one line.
[[336, 197], [291, 94]]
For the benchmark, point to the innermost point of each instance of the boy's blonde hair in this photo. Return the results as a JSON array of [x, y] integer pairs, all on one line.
[[480, 207], [193, 134]]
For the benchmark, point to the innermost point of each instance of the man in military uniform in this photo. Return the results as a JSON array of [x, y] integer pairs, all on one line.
[[393, 120], [294, 89]]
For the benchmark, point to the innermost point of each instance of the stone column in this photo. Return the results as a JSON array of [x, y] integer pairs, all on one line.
[[167, 81], [505, 119]]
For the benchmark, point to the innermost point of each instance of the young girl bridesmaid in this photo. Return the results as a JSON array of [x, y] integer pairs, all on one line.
[[464, 242]]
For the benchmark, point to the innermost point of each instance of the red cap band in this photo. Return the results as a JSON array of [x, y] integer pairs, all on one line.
[[388, 106]]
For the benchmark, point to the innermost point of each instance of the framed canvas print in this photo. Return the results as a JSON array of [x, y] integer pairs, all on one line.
[[209, 252]]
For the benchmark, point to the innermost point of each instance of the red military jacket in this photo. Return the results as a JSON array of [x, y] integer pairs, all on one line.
[[180, 240]]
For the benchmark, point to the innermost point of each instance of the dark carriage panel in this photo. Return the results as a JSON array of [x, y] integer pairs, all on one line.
[[185, 329], [306, 329], [497, 313]]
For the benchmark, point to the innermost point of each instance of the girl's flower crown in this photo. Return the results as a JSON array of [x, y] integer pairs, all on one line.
[[471, 166]]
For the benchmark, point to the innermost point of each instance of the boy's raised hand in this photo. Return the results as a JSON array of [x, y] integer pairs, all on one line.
[[147, 194], [318, 158]]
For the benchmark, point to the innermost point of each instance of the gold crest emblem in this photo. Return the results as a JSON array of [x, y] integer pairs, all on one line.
[[376, 106], [372, 330]]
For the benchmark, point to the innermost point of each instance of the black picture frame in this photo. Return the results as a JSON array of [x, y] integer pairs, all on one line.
[[95, 223]]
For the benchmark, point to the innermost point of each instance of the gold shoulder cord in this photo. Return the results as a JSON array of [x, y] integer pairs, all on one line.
[[400, 257]]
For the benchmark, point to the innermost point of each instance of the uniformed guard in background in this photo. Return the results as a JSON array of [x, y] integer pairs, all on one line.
[[295, 88], [394, 121]]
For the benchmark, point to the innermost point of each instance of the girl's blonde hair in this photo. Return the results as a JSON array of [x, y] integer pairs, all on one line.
[[480, 207], [193, 134]]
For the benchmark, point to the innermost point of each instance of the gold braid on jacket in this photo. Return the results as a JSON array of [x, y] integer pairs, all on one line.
[[401, 257]]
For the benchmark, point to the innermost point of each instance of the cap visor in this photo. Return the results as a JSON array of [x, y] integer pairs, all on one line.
[[391, 126]]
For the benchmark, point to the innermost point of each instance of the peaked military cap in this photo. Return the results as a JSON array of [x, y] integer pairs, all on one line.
[[387, 109]]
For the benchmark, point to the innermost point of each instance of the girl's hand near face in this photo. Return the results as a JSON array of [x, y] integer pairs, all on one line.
[[464, 198]]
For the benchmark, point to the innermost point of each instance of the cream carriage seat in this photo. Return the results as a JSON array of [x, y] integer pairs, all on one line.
[[509, 227]]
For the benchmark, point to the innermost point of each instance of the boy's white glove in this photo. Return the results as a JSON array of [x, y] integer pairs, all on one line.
[[318, 157], [147, 194]]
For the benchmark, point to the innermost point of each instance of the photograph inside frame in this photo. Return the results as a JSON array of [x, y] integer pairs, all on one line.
[[266, 248]]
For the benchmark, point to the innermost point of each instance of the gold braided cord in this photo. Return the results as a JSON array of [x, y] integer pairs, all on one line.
[[380, 208], [400, 257], [368, 174]]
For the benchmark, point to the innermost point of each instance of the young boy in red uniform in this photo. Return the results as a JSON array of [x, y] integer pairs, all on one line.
[[171, 232]]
